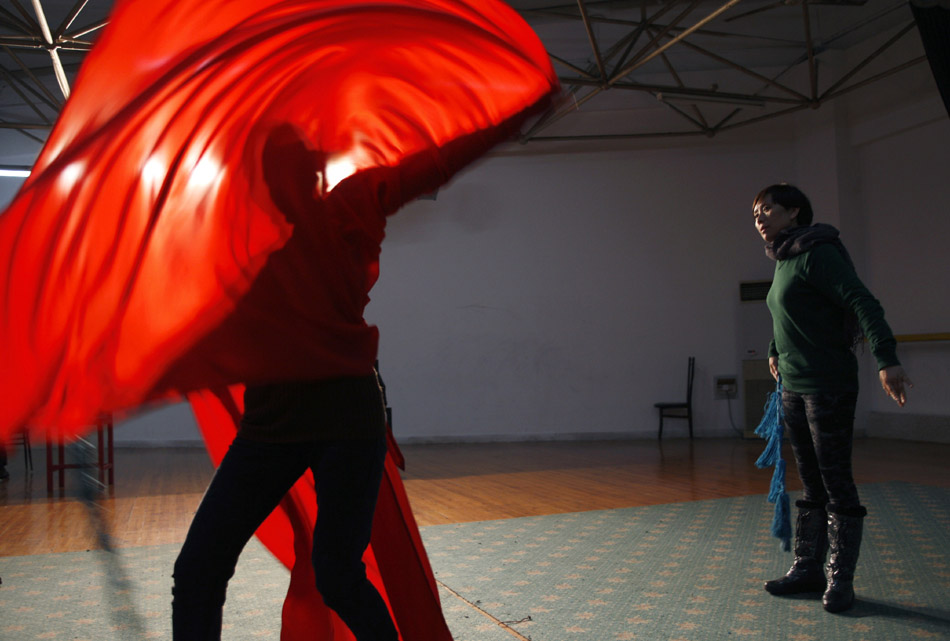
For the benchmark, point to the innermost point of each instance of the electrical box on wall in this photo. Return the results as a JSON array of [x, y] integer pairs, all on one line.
[[725, 387]]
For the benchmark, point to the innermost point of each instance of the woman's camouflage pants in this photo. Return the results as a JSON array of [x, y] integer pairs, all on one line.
[[820, 428]]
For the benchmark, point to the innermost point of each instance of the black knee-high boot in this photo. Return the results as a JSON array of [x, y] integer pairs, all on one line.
[[811, 544], [845, 527]]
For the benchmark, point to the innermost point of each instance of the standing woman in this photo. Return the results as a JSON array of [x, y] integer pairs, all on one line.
[[820, 310]]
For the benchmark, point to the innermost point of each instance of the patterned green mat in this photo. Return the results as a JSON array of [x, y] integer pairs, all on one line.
[[691, 571], [677, 572]]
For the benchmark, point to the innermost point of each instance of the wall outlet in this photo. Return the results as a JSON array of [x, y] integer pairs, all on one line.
[[726, 387]]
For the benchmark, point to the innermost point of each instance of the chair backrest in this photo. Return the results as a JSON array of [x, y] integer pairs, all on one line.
[[691, 370]]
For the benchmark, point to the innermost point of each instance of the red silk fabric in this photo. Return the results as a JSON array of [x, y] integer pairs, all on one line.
[[207, 212], [128, 260]]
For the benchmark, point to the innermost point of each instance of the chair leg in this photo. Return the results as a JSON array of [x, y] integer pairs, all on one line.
[[27, 452], [49, 464], [661, 426], [689, 418]]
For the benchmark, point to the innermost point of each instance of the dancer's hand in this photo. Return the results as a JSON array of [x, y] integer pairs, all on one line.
[[893, 380], [773, 367]]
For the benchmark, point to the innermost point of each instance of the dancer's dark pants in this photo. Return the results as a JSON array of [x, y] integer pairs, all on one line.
[[820, 428], [248, 485]]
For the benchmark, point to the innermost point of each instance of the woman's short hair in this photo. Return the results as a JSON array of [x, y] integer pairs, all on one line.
[[788, 196]]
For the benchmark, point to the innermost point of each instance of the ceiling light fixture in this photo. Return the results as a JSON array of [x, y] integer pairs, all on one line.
[[7, 171]]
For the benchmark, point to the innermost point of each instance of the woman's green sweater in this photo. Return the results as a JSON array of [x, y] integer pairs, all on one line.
[[810, 299]]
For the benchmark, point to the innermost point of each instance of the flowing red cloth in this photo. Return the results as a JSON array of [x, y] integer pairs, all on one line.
[[396, 560], [208, 210], [127, 257]]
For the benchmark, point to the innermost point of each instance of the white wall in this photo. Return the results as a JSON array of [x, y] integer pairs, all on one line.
[[559, 295], [904, 173], [166, 426], [898, 136]]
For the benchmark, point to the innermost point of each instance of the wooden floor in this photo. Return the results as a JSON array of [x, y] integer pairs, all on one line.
[[157, 490]]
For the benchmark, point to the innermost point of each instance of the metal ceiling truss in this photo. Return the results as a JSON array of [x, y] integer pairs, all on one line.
[[649, 39], [32, 34], [610, 66]]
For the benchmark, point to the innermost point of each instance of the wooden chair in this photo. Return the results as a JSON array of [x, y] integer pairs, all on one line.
[[105, 453], [682, 409], [23, 438]]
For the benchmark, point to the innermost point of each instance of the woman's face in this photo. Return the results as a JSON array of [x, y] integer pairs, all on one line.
[[771, 218]]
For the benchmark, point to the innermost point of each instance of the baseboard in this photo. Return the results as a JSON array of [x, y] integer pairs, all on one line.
[[468, 438], [539, 438], [475, 438], [909, 427], [184, 443]]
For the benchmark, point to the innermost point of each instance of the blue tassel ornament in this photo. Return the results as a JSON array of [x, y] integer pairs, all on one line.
[[771, 429]]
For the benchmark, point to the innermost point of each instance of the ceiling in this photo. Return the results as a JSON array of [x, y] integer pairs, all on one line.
[[630, 69]]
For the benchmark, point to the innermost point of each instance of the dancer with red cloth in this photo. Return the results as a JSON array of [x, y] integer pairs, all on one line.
[[158, 249], [334, 428]]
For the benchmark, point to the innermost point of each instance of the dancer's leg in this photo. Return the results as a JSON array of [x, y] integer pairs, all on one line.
[[347, 476], [249, 483]]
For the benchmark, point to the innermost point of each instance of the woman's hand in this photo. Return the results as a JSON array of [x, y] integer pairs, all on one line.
[[773, 367], [892, 380]]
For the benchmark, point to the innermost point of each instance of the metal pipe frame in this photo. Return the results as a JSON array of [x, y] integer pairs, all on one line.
[[626, 43], [645, 55], [861, 65], [634, 23], [633, 59], [810, 49], [646, 40], [52, 47], [700, 94], [34, 33]]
